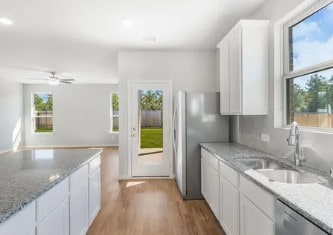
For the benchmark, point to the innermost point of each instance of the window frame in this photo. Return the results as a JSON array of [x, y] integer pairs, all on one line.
[[111, 113], [33, 116], [286, 73]]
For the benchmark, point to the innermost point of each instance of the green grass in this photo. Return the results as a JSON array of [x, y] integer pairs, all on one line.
[[43, 130], [151, 138]]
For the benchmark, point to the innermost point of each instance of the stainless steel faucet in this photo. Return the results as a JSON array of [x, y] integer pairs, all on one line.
[[293, 140]]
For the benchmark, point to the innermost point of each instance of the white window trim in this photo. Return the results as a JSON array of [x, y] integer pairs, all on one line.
[[33, 116], [281, 66], [111, 114]]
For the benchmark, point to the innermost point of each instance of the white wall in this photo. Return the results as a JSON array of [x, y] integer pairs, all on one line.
[[188, 70], [318, 145], [11, 109], [81, 116]]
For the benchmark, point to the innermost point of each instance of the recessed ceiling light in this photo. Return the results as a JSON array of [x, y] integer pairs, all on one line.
[[6, 21], [127, 22]]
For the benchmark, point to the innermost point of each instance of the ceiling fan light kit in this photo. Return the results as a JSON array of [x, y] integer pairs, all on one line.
[[54, 82]]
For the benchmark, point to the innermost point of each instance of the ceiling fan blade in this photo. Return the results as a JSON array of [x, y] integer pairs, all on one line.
[[42, 79], [67, 80]]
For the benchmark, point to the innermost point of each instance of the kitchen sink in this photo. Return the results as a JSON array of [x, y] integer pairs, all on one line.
[[289, 176], [261, 163]]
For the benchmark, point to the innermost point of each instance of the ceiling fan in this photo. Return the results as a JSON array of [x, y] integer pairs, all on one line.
[[54, 80]]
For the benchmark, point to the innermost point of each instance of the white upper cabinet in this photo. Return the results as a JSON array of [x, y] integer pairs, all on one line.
[[244, 69]]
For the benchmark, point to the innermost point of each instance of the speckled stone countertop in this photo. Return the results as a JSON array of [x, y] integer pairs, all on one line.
[[314, 201], [27, 174]]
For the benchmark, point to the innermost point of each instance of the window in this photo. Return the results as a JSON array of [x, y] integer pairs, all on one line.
[[308, 69], [42, 112], [114, 112]]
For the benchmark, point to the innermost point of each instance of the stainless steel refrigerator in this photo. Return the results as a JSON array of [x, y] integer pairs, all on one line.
[[196, 119]]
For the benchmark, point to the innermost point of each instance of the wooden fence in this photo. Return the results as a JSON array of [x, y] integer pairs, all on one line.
[[152, 118], [44, 119], [321, 120]]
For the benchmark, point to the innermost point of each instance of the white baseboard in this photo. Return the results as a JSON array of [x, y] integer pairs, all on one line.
[[124, 177], [127, 177], [5, 151], [68, 146]]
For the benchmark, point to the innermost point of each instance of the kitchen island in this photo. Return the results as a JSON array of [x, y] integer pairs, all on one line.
[[48, 190]]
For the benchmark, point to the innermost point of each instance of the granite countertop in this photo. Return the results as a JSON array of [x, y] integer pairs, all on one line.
[[314, 201], [27, 174]]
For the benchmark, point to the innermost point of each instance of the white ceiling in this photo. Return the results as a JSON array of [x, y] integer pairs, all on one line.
[[81, 37]]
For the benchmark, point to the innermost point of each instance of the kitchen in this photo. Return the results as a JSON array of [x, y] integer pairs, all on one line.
[[89, 159]]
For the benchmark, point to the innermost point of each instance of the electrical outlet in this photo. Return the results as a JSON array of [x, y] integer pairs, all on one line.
[[265, 137]]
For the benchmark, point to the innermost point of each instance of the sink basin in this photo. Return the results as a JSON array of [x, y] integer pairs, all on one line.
[[289, 176], [261, 163]]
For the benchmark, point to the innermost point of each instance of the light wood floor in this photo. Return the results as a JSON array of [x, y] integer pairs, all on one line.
[[147, 207]]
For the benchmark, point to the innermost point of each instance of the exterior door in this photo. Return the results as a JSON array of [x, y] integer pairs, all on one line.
[[150, 116]]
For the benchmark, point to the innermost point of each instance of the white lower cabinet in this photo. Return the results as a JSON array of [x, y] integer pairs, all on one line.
[[252, 220], [94, 194], [241, 206], [78, 202], [57, 223], [210, 186], [229, 207], [21, 223]]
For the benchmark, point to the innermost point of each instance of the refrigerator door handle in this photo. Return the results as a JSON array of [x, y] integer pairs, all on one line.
[[174, 131]]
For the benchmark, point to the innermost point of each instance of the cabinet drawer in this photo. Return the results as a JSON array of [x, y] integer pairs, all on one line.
[[78, 178], [230, 174], [51, 199], [94, 164], [210, 158], [262, 199], [21, 223]]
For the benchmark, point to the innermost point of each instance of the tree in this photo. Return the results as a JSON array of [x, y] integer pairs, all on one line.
[[317, 95], [151, 100], [299, 98], [115, 102], [42, 105]]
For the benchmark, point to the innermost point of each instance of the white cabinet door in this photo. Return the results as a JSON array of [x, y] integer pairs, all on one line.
[[224, 76], [204, 179], [210, 186], [214, 192], [79, 202], [252, 220], [235, 76], [57, 223], [244, 69], [94, 194], [229, 207]]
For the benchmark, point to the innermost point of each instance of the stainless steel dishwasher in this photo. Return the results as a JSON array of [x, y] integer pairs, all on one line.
[[289, 222]]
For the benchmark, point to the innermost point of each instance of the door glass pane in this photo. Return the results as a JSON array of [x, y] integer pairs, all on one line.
[[310, 99], [311, 40], [150, 127]]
